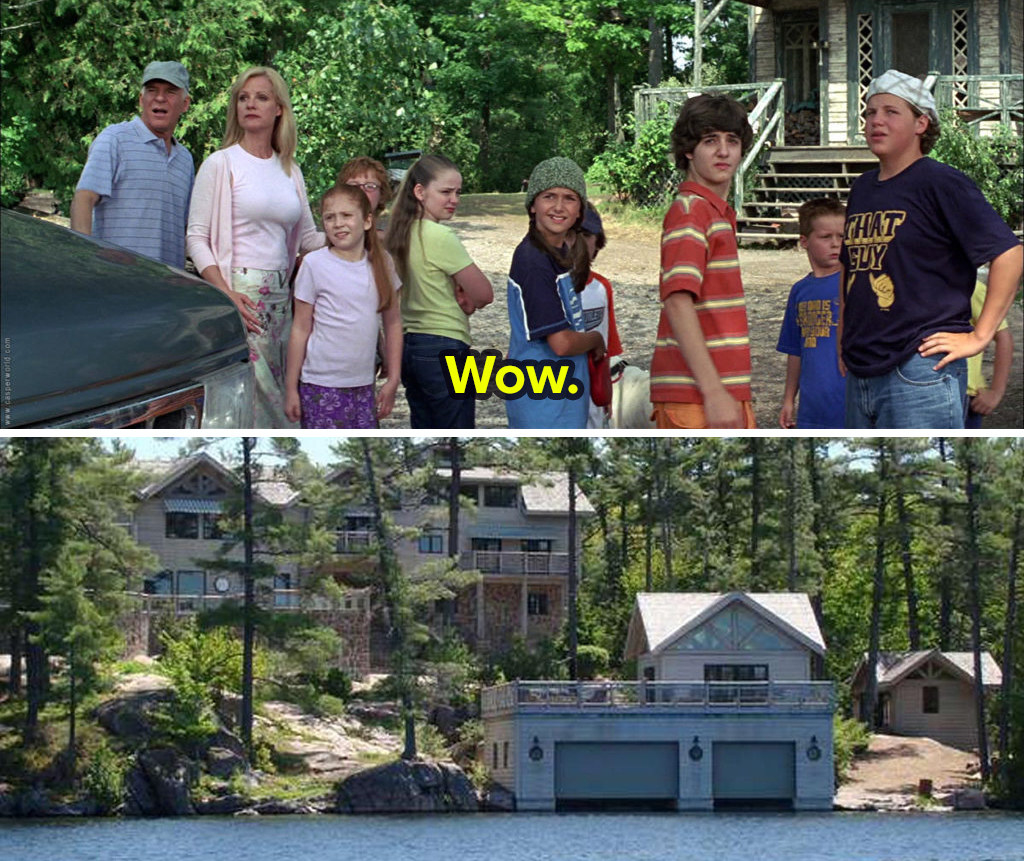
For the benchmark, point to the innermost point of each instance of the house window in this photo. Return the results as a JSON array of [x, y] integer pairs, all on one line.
[[537, 603], [930, 700], [500, 495], [431, 542], [735, 672], [191, 583], [159, 584], [486, 545], [178, 524], [736, 683], [494, 756], [504, 754], [535, 545], [211, 527], [468, 492]]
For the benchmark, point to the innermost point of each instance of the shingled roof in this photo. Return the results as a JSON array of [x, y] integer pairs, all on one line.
[[893, 667], [661, 618]]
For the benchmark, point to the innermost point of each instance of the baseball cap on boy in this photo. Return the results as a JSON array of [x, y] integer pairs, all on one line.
[[913, 90]]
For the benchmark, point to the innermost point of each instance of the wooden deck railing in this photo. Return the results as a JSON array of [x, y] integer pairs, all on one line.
[[514, 562], [766, 115], [682, 696]]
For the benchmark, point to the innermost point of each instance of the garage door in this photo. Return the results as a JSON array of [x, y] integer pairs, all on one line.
[[750, 771], [618, 770]]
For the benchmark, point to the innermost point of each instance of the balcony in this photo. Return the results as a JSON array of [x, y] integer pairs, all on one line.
[[353, 541], [514, 563], [660, 697], [276, 599]]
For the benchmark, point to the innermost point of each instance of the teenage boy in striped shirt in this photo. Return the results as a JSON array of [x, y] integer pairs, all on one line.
[[700, 373]]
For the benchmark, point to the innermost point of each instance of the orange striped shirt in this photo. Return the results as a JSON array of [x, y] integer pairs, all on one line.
[[699, 255]]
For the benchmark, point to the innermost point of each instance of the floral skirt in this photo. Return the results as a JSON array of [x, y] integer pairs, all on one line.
[[267, 351], [326, 407]]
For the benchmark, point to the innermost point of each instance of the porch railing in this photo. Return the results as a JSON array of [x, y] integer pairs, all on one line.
[[982, 98], [353, 540], [277, 599], [512, 562], [766, 116], [681, 696]]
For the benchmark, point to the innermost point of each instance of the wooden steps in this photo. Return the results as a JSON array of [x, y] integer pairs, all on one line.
[[792, 175]]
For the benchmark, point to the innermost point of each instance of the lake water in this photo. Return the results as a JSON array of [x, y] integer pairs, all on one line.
[[526, 837]]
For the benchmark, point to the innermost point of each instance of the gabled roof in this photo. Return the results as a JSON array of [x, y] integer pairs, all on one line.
[[164, 473], [548, 493], [661, 618], [893, 667]]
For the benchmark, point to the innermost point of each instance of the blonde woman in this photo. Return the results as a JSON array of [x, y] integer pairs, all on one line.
[[248, 221]]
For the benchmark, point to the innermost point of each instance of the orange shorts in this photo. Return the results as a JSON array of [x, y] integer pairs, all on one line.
[[676, 416]]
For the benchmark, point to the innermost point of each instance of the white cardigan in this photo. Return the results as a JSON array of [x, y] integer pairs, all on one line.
[[209, 235]]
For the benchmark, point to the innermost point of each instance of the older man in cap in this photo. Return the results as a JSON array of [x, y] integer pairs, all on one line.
[[916, 233], [137, 182]]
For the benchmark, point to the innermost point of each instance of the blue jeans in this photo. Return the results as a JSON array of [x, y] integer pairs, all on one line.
[[430, 405], [912, 395]]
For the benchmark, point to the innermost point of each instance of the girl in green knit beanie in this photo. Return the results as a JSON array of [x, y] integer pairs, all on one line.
[[549, 269]]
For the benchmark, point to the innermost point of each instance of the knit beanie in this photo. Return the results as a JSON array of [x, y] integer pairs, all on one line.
[[557, 172]]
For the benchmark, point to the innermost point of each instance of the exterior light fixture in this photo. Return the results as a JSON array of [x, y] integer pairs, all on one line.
[[696, 751], [813, 751], [536, 751]]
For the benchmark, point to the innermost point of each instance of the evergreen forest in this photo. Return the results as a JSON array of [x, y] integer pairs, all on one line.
[[901, 543]]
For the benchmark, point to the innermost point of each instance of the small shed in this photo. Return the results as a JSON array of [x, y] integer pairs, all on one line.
[[928, 693]]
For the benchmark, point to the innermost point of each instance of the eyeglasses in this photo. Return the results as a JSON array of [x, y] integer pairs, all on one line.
[[365, 186]]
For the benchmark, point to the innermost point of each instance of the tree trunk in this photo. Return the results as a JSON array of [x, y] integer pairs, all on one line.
[[655, 53], [909, 584], [870, 697], [454, 498], [1009, 627], [248, 633], [14, 683], [755, 514], [945, 580], [792, 487], [974, 576], [573, 621]]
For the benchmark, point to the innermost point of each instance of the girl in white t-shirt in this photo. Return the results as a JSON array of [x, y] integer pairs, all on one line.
[[341, 294]]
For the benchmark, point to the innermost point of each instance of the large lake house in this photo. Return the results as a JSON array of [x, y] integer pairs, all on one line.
[[726, 710], [512, 531]]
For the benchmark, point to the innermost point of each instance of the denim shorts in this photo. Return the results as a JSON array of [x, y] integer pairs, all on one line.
[[430, 404], [910, 396]]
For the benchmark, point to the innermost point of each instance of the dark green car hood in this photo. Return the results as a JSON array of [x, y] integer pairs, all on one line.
[[87, 324]]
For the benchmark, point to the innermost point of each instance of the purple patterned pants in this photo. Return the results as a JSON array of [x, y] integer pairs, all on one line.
[[324, 407]]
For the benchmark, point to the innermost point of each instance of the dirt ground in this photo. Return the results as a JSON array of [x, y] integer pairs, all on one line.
[[491, 226], [892, 768]]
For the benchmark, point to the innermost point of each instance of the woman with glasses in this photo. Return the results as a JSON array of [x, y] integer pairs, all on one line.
[[369, 175]]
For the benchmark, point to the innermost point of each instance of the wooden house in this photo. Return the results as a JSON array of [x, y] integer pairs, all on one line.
[[811, 64], [513, 532], [828, 51], [725, 711], [928, 693]]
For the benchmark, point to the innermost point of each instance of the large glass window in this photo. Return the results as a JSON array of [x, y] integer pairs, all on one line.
[[191, 582], [211, 527], [501, 495], [736, 683], [930, 700], [181, 525]]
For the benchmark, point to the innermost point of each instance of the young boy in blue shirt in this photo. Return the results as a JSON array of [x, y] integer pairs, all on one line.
[[808, 333]]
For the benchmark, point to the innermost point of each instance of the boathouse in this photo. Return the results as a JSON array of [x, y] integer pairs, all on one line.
[[726, 711]]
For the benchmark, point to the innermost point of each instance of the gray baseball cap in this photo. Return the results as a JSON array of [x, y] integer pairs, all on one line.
[[166, 70]]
